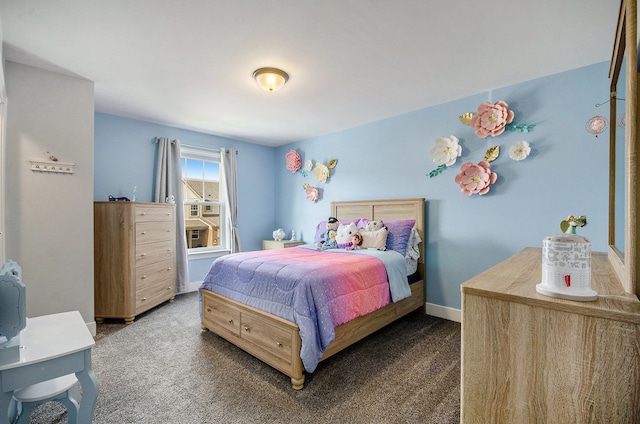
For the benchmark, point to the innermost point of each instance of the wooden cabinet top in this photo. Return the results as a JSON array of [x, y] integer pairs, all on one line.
[[515, 279], [108, 202]]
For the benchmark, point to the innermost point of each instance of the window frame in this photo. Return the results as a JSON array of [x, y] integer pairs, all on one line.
[[208, 155]]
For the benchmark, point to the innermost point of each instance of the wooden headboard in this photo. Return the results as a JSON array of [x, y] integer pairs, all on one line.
[[381, 210]]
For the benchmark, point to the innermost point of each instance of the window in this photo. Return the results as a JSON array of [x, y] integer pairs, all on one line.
[[203, 208]]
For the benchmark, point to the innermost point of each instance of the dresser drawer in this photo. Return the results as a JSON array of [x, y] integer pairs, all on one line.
[[149, 296], [260, 332], [222, 316], [154, 252], [151, 232], [145, 213], [153, 273]]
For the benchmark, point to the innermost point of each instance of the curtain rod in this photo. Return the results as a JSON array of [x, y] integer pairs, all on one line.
[[192, 146], [209, 149], [155, 140]]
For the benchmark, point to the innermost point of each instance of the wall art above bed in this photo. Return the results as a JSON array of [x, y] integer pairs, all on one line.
[[321, 172]]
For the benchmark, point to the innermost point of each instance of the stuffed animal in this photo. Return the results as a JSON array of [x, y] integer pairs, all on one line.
[[344, 234], [332, 224], [374, 225], [331, 243], [356, 241]]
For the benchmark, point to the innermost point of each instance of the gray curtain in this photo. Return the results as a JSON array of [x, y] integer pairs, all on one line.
[[168, 184], [230, 183]]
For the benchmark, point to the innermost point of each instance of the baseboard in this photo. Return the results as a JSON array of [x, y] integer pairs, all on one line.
[[92, 328], [444, 312], [193, 286]]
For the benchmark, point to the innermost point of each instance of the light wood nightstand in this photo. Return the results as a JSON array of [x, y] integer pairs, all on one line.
[[273, 244]]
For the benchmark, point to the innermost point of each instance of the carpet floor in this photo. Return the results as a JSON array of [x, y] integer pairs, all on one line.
[[162, 369]]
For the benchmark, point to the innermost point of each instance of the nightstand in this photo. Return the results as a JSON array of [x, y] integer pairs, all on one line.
[[274, 244]]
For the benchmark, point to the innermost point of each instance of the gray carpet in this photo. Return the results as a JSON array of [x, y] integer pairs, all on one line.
[[162, 369]]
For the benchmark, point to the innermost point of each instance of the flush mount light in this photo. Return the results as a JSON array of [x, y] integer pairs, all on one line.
[[270, 79]]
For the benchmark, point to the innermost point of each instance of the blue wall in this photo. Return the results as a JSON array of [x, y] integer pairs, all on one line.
[[125, 156], [566, 174]]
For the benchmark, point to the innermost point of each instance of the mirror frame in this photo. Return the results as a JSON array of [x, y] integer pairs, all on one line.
[[625, 265]]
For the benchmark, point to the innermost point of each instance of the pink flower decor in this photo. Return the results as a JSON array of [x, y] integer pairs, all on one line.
[[475, 179], [311, 192], [293, 161], [491, 119]]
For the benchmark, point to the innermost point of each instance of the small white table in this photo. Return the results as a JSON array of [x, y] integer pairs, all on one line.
[[52, 346]]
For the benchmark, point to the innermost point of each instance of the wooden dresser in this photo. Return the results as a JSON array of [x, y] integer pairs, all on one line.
[[134, 254], [531, 358]]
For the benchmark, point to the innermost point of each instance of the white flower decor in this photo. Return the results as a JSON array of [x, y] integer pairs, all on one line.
[[308, 164], [446, 151], [321, 172], [519, 150]]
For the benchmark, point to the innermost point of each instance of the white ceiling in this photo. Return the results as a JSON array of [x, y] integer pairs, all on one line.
[[189, 63]]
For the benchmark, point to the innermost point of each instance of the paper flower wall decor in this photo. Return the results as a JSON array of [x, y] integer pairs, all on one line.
[[466, 118], [492, 153], [321, 171], [519, 150], [308, 165], [445, 153], [292, 159], [475, 179], [311, 192], [491, 119]]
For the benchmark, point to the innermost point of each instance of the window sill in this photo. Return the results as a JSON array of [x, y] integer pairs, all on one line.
[[207, 254]]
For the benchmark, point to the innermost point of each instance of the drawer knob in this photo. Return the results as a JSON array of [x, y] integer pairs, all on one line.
[[143, 233], [169, 269], [143, 213], [169, 230], [144, 299], [246, 328], [169, 250], [143, 255], [278, 344], [143, 277], [230, 321], [169, 288], [209, 310]]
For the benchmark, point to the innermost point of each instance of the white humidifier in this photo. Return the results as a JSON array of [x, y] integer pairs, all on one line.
[[566, 268]]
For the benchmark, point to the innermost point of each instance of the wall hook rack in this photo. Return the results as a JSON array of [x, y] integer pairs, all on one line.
[[51, 166]]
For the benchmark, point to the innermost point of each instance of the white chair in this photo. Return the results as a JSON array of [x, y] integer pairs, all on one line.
[[62, 389]]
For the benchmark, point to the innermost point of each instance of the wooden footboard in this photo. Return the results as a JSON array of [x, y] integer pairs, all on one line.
[[276, 341]]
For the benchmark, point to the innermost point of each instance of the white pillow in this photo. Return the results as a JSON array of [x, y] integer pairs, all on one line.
[[376, 239]]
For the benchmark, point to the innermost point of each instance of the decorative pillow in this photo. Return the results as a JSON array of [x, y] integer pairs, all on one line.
[[344, 234], [399, 233], [376, 239], [413, 251]]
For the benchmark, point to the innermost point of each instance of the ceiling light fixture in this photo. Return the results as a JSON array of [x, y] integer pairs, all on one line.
[[270, 79]]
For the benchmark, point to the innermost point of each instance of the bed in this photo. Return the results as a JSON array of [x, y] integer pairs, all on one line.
[[277, 341]]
